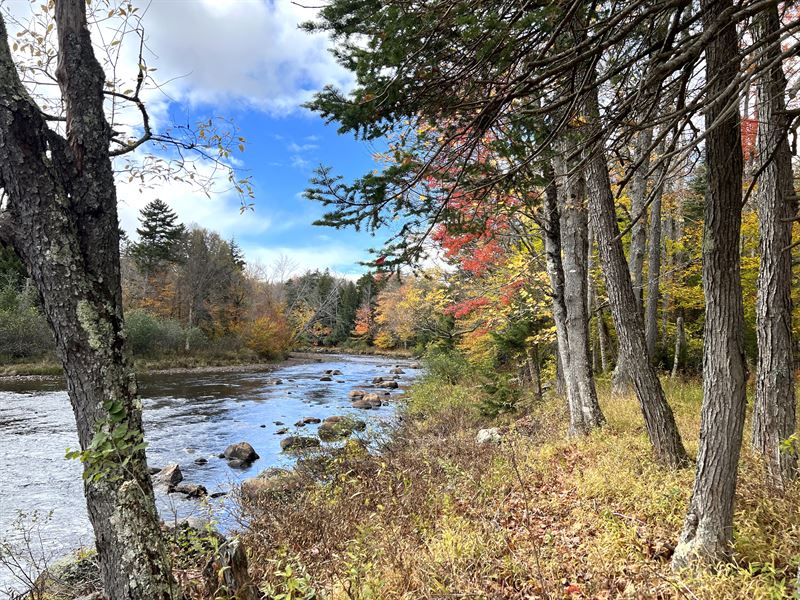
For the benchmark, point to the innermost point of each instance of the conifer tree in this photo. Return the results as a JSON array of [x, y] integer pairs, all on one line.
[[160, 237]]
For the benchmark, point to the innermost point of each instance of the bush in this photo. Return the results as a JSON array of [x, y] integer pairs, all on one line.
[[448, 366], [268, 337], [148, 334], [24, 331]]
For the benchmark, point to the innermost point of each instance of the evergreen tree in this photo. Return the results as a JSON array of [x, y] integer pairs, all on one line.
[[160, 237]]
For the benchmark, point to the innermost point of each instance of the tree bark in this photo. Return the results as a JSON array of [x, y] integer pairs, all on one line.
[[638, 198], [555, 270], [571, 197], [61, 206], [621, 378], [654, 266], [774, 409], [708, 526], [680, 341], [658, 416]]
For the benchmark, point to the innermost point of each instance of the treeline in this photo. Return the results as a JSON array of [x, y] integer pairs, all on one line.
[[187, 292]]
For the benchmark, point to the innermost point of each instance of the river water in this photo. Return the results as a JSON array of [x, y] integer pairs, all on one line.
[[187, 416]]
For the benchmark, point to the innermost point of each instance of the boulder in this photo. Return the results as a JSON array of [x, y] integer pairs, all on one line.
[[169, 476], [295, 443], [154, 470], [326, 378], [278, 422], [241, 451], [200, 461], [276, 382], [378, 380], [355, 394], [217, 494], [388, 384], [191, 490], [336, 372], [373, 399], [237, 464], [397, 371], [310, 421], [415, 365], [362, 404], [282, 431], [489, 436]]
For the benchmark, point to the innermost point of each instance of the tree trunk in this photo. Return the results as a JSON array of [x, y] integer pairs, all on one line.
[[680, 341], [602, 334], [61, 217], [621, 377], [638, 198], [657, 414], [555, 270], [654, 265], [571, 197], [774, 409], [708, 527]]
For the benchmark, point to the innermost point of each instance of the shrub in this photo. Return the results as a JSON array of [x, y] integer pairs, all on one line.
[[447, 365], [148, 334], [24, 333], [268, 337]]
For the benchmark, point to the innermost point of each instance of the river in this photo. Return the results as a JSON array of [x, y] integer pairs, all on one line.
[[187, 416]]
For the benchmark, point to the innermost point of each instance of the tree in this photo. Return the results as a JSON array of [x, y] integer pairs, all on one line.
[[774, 409], [61, 218], [160, 237], [708, 527]]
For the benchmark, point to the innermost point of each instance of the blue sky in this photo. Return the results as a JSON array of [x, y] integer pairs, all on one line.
[[247, 60]]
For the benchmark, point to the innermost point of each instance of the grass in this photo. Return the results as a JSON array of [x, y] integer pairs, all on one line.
[[434, 515]]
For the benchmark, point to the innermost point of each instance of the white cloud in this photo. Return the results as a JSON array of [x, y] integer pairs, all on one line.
[[219, 212], [240, 51], [336, 257], [294, 147]]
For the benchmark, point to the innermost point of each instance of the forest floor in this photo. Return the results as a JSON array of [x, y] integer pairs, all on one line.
[[434, 514]]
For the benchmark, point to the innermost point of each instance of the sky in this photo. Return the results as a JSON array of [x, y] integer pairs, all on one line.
[[248, 61]]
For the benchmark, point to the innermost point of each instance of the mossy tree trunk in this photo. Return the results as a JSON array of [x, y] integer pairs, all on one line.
[[61, 217]]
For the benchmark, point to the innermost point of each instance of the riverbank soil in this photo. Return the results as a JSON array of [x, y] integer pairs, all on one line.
[[199, 363], [536, 515]]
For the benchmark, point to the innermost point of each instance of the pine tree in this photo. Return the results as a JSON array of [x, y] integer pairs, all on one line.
[[160, 237]]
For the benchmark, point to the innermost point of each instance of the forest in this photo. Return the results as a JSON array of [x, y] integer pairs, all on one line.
[[585, 216]]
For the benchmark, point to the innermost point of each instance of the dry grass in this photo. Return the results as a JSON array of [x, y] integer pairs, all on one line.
[[434, 515]]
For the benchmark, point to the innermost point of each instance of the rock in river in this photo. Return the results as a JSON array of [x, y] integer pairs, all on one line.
[[191, 490], [293, 443], [241, 451], [388, 384], [169, 476], [355, 394]]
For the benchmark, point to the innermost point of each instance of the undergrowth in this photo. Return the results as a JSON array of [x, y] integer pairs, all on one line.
[[433, 514]]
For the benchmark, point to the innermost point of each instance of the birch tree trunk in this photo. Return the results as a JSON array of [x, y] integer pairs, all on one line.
[[657, 414], [555, 270], [708, 526], [571, 197], [774, 409], [61, 217], [680, 341]]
